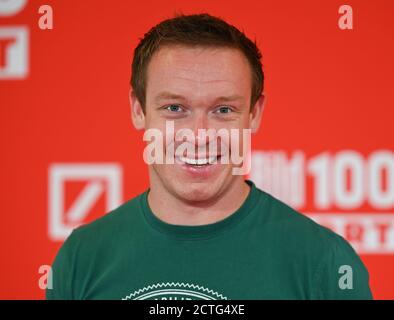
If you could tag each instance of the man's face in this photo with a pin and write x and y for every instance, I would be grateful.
(198, 88)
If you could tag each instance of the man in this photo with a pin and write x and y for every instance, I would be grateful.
(201, 231)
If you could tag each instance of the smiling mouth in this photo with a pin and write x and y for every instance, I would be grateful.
(198, 162)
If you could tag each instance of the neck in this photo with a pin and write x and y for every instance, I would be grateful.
(174, 210)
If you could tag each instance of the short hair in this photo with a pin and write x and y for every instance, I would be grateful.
(195, 30)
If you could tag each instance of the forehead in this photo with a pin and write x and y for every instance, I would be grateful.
(198, 72)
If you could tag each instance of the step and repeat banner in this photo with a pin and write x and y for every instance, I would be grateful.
(69, 152)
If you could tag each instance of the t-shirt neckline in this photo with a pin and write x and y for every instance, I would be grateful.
(200, 231)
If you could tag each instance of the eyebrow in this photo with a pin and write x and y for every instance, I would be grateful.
(169, 95)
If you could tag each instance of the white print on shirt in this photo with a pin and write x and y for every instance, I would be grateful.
(174, 291)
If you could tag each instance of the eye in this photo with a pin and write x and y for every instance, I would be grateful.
(174, 108)
(223, 110)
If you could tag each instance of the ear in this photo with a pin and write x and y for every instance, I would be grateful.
(256, 114)
(137, 113)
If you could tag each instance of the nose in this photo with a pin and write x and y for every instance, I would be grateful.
(199, 127)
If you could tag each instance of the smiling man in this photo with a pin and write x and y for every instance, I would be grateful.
(201, 231)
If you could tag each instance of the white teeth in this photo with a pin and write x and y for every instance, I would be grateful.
(198, 162)
(212, 159)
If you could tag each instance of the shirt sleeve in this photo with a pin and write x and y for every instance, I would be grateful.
(342, 275)
(62, 272)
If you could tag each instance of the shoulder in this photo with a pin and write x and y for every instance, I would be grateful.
(300, 236)
(295, 225)
(116, 220)
(112, 228)
(324, 253)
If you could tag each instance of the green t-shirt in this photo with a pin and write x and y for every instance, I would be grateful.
(264, 250)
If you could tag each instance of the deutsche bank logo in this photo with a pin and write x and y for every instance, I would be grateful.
(100, 178)
(14, 52)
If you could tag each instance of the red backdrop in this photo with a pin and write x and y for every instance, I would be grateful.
(69, 152)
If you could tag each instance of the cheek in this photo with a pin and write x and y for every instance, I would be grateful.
(155, 123)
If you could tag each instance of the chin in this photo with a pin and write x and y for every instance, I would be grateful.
(195, 188)
(207, 191)
(196, 192)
